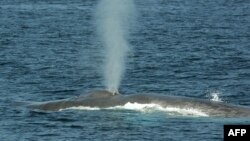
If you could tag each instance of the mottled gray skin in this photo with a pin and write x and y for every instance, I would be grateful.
(105, 99)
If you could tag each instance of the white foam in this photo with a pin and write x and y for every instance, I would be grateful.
(151, 107)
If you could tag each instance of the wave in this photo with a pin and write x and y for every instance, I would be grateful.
(149, 108)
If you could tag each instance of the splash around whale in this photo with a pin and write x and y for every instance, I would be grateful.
(102, 99)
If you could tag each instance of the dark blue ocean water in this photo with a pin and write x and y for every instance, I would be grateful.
(50, 49)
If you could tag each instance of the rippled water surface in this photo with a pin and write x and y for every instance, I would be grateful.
(50, 50)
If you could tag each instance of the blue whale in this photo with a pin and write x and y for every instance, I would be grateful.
(106, 99)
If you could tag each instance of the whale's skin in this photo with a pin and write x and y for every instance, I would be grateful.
(105, 99)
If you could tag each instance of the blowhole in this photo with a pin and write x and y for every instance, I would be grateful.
(113, 91)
